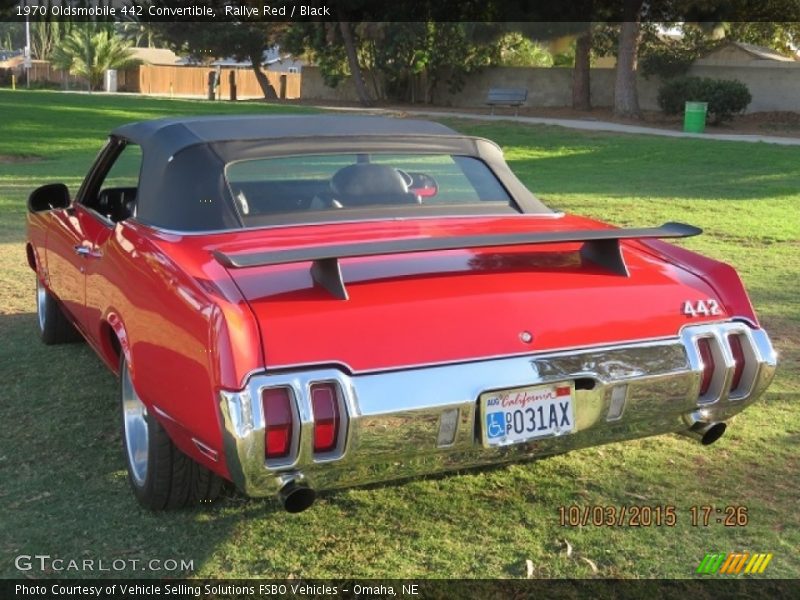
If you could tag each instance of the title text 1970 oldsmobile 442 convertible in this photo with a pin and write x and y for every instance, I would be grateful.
(311, 302)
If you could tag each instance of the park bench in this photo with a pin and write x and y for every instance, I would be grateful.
(507, 97)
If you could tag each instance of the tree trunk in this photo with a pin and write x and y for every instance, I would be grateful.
(352, 61)
(263, 81)
(581, 79)
(626, 97)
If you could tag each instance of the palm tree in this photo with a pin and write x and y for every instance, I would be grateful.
(88, 52)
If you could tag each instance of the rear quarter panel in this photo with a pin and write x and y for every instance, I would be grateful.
(719, 276)
(183, 327)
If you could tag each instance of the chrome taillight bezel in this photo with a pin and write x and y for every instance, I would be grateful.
(717, 335)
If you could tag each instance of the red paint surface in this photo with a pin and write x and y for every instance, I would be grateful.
(191, 328)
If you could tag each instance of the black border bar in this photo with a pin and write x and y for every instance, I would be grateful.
(485, 11)
(731, 588)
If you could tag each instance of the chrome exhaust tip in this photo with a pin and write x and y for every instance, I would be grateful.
(296, 497)
(706, 433)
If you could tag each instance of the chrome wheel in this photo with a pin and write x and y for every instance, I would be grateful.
(41, 299)
(134, 416)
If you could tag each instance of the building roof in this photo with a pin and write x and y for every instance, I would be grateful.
(155, 56)
(270, 56)
(759, 53)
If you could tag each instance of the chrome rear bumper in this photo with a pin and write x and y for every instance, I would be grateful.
(395, 420)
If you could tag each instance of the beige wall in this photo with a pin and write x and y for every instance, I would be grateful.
(774, 87)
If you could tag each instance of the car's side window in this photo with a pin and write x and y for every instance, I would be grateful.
(114, 195)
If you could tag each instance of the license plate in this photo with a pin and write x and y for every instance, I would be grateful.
(528, 413)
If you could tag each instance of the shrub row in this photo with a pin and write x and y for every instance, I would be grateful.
(725, 97)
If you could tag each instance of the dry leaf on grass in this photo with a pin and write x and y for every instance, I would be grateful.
(591, 564)
(529, 568)
(637, 496)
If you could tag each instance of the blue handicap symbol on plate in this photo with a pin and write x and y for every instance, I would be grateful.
(495, 424)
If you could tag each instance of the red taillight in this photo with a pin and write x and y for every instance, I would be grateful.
(278, 421)
(738, 357)
(326, 416)
(708, 364)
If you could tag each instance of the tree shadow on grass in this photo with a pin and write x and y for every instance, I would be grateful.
(65, 492)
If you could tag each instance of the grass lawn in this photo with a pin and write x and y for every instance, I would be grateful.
(64, 491)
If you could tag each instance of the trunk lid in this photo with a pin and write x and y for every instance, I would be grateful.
(406, 310)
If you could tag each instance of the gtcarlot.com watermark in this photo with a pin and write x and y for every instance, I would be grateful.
(57, 564)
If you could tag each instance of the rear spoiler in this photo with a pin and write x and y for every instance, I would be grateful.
(600, 246)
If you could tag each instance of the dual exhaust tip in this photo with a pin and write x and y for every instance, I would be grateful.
(296, 497)
(706, 433)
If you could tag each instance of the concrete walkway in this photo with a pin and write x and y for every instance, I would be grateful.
(586, 125)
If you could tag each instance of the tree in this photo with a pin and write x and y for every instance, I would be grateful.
(352, 62)
(414, 58)
(668, 58)
(89, 51)
(323, 43)
(406, 61)
(241, 40)
(46, 35)
(12, 35)
(626, 97)
(581, 72)
(516, 50)
(783, 37)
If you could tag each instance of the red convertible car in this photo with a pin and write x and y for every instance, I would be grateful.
(311, 302)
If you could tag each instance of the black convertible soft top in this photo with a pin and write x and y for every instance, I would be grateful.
(182, 184)
(172, 135)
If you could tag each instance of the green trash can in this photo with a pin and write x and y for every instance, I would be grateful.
(694, 117)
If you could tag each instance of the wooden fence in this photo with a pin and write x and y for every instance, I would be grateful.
(42, 70)
(179, 81)
(193, 81)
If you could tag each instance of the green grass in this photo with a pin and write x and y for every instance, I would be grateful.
(64, 491)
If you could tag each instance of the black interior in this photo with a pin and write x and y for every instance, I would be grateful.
(357, 185)
(278, 196)
(117, 203)
(364, 184)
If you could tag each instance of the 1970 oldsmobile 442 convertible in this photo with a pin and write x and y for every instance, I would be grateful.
(310, 302)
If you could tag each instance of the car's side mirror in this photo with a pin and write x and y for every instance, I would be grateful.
(48, 197)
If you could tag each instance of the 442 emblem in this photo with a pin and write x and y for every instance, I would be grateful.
(701, 308)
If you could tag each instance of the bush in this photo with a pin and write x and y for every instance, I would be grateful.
(42, 84)
(725, 97)
(5, 77)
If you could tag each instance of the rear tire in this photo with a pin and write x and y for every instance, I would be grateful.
(54, 326)
(160, 475)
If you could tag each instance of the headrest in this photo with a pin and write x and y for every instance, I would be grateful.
(365, 179)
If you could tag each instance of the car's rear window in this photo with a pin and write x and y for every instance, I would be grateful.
(342, 182)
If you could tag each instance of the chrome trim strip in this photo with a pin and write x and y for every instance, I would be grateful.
(552, 215)
(206, 450)
(394, 416)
